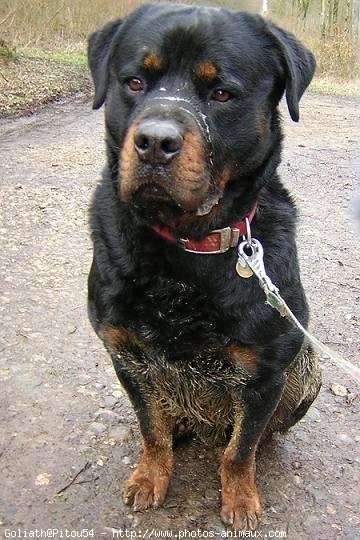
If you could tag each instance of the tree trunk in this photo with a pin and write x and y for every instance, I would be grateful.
(323, 19)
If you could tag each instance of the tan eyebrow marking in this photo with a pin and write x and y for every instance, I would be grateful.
(206, 70)
(152, 61)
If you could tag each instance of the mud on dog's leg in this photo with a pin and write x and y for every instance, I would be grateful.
(147, 485)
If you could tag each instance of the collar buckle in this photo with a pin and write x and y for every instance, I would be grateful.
(227, 240)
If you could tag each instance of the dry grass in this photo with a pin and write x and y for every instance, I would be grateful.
(337, 54)
(58, 25)
(64, 25)
(32, 77)
(61, 22)
(35, 79)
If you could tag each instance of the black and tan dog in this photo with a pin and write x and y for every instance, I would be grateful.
(193, 143)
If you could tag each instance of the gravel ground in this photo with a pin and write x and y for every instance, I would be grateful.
(62, 410)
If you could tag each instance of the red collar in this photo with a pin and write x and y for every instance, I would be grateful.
(218, 241)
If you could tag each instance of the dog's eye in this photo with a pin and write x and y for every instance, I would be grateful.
(135, 84)
(221, 95)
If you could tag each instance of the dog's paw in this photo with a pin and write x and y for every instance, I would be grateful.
(241, 512)
(145, 489)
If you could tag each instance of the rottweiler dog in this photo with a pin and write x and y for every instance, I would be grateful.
(193, 140)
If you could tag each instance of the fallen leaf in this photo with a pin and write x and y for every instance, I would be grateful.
(42, 479)
(338, 390)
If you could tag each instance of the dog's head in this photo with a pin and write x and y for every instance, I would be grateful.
(191, 105)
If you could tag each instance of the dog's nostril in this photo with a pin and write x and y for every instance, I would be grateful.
(142, 142)
(171, 146)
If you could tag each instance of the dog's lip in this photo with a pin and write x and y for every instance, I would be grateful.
(150, 193)
(205, 208)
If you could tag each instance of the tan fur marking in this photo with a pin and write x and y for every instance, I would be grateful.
(191, 177)
(148, 484)
(115, 338)
(241, 506)
(192, 160)
(129, 162)
(153, 62)
(224, 179)
(193, 150)
(244, 356)
(206, 70)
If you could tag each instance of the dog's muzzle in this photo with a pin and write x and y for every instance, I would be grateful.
(164, 159)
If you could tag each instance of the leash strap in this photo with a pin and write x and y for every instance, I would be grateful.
(251, 261)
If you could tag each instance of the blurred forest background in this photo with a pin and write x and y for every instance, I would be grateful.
(56, 30)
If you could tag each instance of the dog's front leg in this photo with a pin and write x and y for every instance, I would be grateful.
(148, 484)
(241, 506)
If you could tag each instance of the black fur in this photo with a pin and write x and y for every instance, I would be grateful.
(183, 310)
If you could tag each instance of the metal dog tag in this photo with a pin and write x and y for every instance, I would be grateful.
(243, 269)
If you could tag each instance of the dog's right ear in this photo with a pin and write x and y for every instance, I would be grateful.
(100, 45)
(298, 64)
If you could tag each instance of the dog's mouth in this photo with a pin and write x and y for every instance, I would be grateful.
(154, 200)
(151, 195)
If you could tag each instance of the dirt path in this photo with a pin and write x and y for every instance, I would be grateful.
(61, 408)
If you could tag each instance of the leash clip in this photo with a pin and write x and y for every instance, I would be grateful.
(252, 256)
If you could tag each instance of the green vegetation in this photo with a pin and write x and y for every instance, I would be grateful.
(78, 59)
(36, 77)
(7, 52)
(324, 86)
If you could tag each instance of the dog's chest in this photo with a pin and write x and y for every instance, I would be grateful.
(176, 318)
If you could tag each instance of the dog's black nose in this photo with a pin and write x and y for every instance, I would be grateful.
(158, 141)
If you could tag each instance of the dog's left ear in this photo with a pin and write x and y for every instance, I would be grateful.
(99, 52)
(298, 63)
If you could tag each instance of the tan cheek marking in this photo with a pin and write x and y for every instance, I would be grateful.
(188, 220)
(207, 71)
(224, 179)
(152, 61)
(191, 164)
(128, 163)
(244, 356)
(190, 172)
